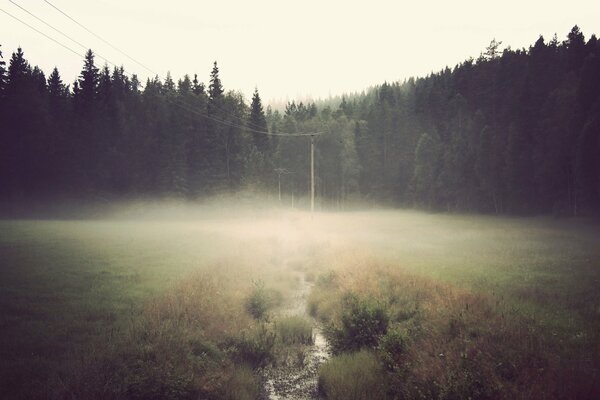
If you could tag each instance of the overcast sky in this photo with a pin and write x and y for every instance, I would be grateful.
(288, 49)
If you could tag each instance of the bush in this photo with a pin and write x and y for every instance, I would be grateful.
(294, 330)
(257, 303)
(363, 322)
(261, 300)
(391, 348)
(254, 347)
(352, 376)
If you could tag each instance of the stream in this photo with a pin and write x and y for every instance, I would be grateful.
(298, 382)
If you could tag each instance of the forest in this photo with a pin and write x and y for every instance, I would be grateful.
(515, 131)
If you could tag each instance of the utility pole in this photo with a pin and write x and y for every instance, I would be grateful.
(312, 173)
(280, 171)
(312, 163)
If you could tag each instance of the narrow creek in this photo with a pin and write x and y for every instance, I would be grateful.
(297, 382)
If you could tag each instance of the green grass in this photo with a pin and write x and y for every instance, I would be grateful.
(73, 288)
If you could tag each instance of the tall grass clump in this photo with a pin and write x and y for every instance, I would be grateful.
(243, 384)
(352, 376)
(254, 346)
(294, 330)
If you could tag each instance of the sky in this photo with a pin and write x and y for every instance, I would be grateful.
(287, 49)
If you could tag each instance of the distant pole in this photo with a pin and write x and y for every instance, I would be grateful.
(280, 171)
(312, 174)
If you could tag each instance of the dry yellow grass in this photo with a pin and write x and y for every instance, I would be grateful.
(461, 343)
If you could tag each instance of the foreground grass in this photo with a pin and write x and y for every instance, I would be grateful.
(130, 309)
(170, 308)
(434, 340)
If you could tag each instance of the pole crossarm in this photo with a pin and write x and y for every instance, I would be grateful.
(290, 134)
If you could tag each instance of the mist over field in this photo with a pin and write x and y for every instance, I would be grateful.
(171, 299)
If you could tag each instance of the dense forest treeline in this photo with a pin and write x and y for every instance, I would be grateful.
(514, 131)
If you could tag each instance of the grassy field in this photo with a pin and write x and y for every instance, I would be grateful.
(185, 306)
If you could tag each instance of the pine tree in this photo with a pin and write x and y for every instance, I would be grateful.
(88, 84)
(215, 88)
(261, 162)
(105, 86)
(25, 128)
(216, 146)
(19, 71)
(13, 151)
(197, 87)
(169, 85)
(2, 73)
(492, 52)
(258, 122)
(56, 88)
(575, 45)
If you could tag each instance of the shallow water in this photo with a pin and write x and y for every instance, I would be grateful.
(298, 382)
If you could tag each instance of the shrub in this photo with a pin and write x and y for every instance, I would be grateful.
(261, 300)
(352, 376)
(294, 330)
(391, 348)
(257, 303)
(363, 322)
(253, 347)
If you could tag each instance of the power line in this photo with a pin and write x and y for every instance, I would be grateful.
(179, 104)
(312, 135)
(61, 32)
(233, 125)
(98, 36)
(110, 44)
(41, 33)
(182, 106)
(149, 69)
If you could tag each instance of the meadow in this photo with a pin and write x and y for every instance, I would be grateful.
(184, 303)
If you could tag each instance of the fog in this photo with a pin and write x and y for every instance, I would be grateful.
(126, 278)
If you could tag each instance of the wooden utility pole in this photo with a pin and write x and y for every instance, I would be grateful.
(312, 164)
(279, 172)
(312, 173)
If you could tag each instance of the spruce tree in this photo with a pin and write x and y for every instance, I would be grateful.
(215, 88)
(19, 71)
(197, 87)
(216, 143)
(15, 123)
(88, 83)
(258, 122)
(56, 88)
(260, 157)
(2, 72)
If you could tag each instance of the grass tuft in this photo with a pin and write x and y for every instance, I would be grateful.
(352, 376)
(294, 330)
